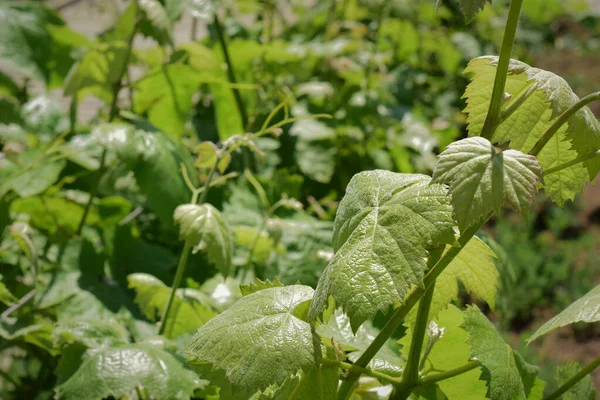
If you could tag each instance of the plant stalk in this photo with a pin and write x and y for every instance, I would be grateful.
(494, 112)
(450, 374)
(411, 300)
(366, 371)
(410, 376)
(230, 70)
(20, 304)
(577, 160)
(561, 120)
(573, 381)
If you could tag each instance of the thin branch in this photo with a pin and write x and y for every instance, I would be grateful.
(24, 300)
(577, 160)
(573, 381)
(366, 371)
(450, 374)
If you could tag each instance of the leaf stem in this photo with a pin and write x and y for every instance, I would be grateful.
(494, 112)
(573, 381)
(572, 162)
(230, 70)
(22, 302)
(449, 374)
(561, 120)
(366, 371)
(411, 300)
(176, 283)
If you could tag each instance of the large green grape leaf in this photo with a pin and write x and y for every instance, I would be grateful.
(153, 157)
(165, 93)
(203, 226)
(543, 96)
(258, 341)
(508, 376)
(121, 370)
(189, 311)
(451, 351)
(482, 178)
(473, 266)
(586, 309)
(383, 228)
(582, 390)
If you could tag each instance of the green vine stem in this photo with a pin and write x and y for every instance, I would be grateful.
(411, 300)
(561, 120)
(230, 70)
(449, 374)
(577, 160)
(494, 113)
(573, 381)
(114, 110)
(365, 371)
(185, 252)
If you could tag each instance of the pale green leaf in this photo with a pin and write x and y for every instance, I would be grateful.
(470, 8)
(156, 13)
(585, 309)
(543, 96)
(501, 371)
(383, 228)
(36, 174)
(258, 285)
(582, 390)
(189, 311)
(258, 341)
(203, 226)
(97, 71)
(90, 333)
(482, 178)
(118, 371)
(451, 351)
(473, 266)
(165, 93)
(315, 149)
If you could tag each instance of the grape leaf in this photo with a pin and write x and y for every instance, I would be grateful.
(585, 309)
(502, 371)
(203, 226)
(582, 390)
(470, 8)
(35, 176)
(451, 351)
(315, 149)
(189, 310)
(90, 333)
(165, 93)
(473, 266)
(97, 71)
(543, 96)
(6, 297)
(153, 157)
(258, 341)
(258, 285)
(383, 228)
(481, 179)
(118, 371)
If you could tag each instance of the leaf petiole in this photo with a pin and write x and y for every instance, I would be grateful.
(365, 371)
(573, 381)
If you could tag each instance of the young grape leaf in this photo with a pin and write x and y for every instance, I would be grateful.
(582, 390)
(473, 266)
(258, 341)
(258, 285)
(542, 96)
(470, 8)
(450, 351)
(121, 370)
(586, 309)
(190, 308)
(203, 226)
(481, 179)
(383, 228)
(35, 176)
(502, 370)
(223, 292)
(315, 149)
(319, 383)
